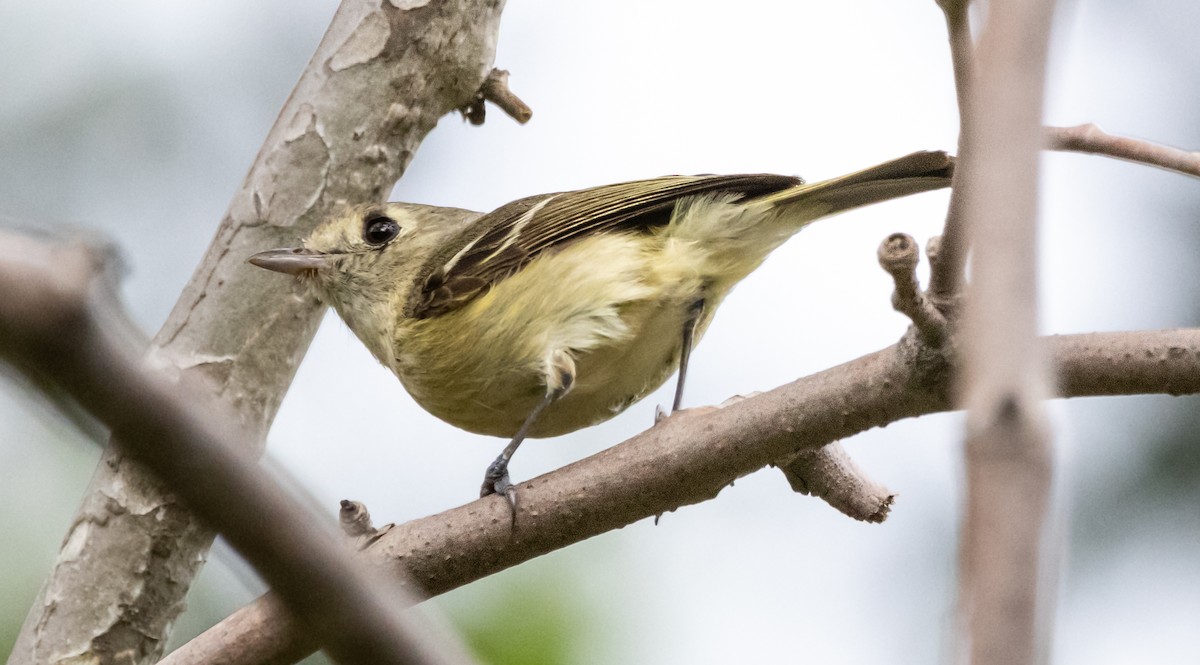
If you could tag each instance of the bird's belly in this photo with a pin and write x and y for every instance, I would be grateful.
(621, 326)
(608, 379)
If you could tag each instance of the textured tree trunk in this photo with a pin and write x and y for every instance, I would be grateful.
(132, 551)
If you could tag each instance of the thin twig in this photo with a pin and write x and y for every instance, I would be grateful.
(1092, 139)
(899, 257)
(495, 90)
(946, 275)
(962, 57)
(689, 458)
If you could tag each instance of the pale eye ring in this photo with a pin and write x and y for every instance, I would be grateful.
(380, 230)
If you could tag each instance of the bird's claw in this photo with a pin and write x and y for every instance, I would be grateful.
(660, 414)
(497, 481)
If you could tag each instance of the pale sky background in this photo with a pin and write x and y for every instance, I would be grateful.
(139, 120)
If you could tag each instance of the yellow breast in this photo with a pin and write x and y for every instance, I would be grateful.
(615, 303)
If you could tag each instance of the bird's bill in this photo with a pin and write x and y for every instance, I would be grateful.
(290, 261)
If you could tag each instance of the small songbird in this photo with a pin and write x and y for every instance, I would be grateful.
(558, 311)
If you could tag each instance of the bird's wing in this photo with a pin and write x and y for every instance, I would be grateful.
(505, 240)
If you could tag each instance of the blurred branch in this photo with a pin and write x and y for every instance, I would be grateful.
(689, 458)
(1091, 139)
(1008, 459)
(58, 318)
(244, 331)
(32, 384)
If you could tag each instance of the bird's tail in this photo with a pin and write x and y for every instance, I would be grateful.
(737, 236)
(911, 174)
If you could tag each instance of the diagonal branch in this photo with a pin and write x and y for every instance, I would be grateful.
(690, 458)
(245, 332)
(57, 319)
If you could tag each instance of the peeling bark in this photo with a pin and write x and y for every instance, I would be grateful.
(133, 550)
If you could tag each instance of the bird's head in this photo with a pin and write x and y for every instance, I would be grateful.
(365, 260)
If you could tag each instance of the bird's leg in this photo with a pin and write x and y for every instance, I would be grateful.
(495, 479)
(695, 311)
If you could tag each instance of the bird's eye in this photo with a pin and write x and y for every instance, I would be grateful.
(379, 230)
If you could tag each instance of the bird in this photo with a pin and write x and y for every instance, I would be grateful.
(558, 311)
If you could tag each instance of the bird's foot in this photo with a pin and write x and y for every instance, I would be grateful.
(497, 481)
(661, 414)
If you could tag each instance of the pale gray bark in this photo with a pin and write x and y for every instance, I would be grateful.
(132, 551)
(1005, 378)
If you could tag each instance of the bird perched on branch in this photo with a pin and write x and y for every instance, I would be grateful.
(558, 311)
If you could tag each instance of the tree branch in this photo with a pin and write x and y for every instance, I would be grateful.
(1008, 459)
(898, 256)
(245, 331)
(58, 318)
(1091, 139)
(689, 458)
(495, 90)
(946, 274)
(830, 473)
